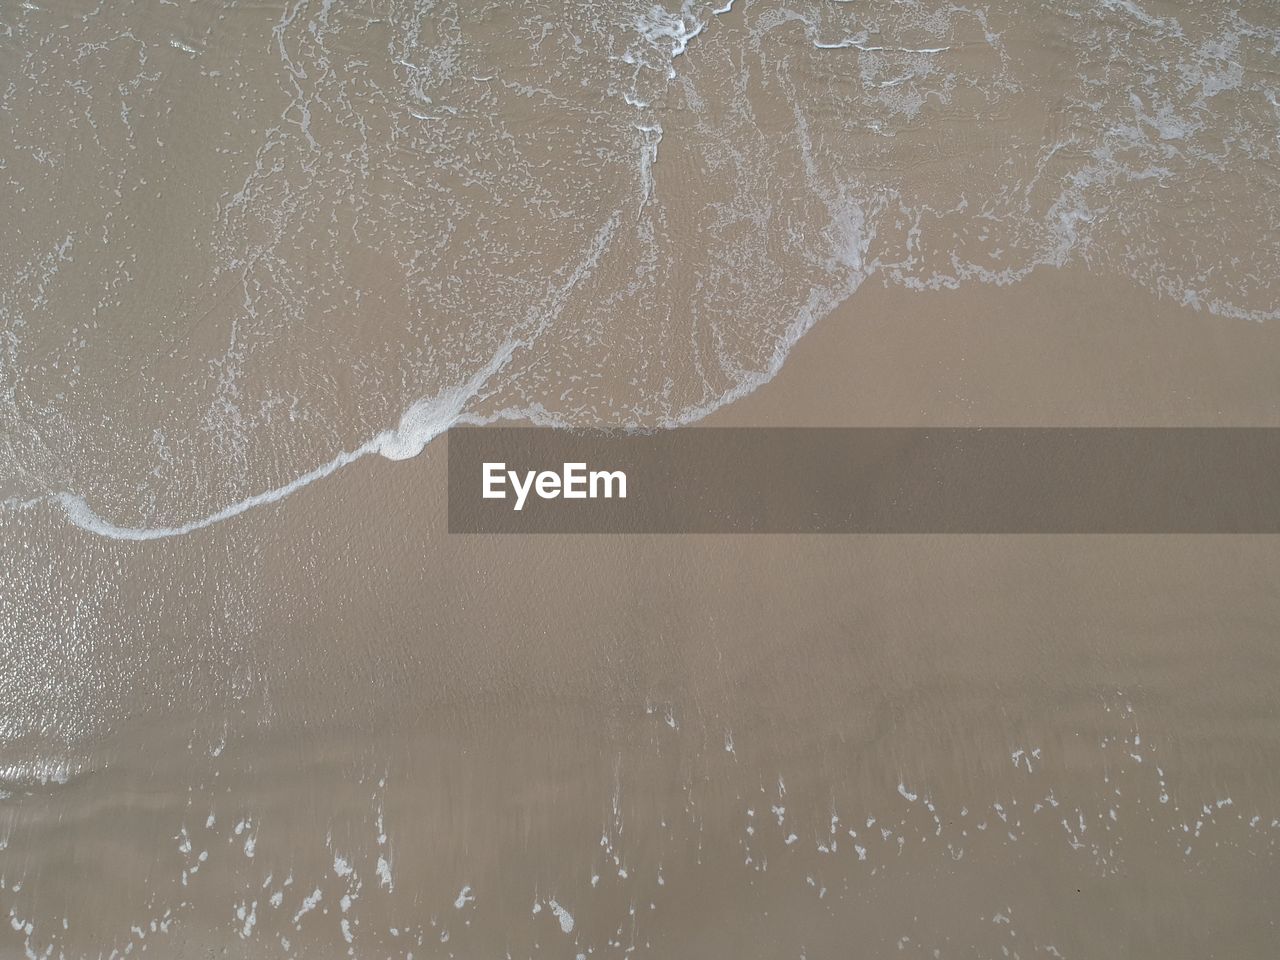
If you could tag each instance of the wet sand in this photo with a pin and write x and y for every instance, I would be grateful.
(328, 728)
(257, 702)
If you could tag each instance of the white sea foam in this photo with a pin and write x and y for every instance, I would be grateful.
(421, 423)
(495, 238)
(79, 512)
(562, 915)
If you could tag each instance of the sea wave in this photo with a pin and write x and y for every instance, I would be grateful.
(620, 217)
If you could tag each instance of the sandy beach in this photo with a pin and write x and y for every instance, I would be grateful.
(258, 702)
(754, 746)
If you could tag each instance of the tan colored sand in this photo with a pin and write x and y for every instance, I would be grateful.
(520, 715)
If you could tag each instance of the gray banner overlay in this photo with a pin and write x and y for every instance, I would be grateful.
(868, 480)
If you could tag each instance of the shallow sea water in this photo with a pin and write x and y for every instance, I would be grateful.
(257, 703)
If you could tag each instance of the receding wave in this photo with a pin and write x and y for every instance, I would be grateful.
(626, 215)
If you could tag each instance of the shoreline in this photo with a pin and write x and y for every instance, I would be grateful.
(495, 706)
(857, 329)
